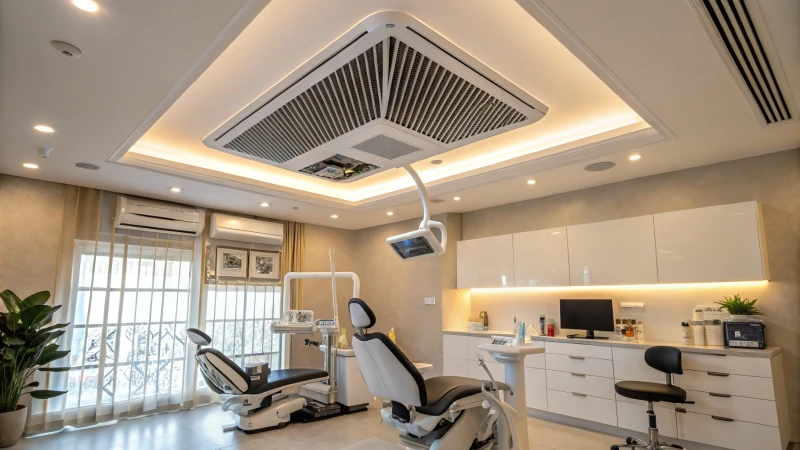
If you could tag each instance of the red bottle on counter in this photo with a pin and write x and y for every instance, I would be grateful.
(551, 328)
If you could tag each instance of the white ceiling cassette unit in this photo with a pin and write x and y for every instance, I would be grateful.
(389, 92)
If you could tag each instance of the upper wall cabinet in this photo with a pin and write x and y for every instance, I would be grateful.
(486, 262)
(719, 243)
(541, 258)
(613, 252)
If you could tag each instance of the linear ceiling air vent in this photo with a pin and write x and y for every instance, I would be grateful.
(741, 46)
(389, 92)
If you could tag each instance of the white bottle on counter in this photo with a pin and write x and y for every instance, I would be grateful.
(686, 333)
(699, 332)
(640, 331)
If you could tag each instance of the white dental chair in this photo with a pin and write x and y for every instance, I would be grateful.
(260, 403)
(443, 413)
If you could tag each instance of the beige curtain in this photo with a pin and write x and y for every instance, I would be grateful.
(292, 252)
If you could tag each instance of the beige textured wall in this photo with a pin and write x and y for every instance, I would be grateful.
(31, 212)
(773, 180)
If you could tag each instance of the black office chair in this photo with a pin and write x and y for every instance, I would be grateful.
(667, 360)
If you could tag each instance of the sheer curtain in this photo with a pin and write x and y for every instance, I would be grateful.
(132, 295)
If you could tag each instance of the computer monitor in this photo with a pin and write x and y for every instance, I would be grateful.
(589, 315)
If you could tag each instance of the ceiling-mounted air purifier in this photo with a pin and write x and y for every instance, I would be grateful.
(389, 92)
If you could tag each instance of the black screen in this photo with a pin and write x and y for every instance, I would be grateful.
(409, 248)
(595, 315)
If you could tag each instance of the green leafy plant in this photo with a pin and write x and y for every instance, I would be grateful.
(738, 306)
(27, 344)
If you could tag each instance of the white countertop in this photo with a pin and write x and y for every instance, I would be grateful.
(768, 352)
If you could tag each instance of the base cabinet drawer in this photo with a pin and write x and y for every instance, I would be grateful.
(582, 406)
(754, 410)
(455, 346)
(581, 383)
(725, 383)
(633, 416)
(580, 364)
(536, 389)
(455, 367)
(734, 434)
(736, 365)
(585, 350)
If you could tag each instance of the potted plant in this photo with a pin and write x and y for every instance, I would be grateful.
(27, 344)
(740, 309)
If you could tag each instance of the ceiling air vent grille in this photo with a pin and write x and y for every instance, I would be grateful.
(734, 24)
(434, 101)
(343, 101)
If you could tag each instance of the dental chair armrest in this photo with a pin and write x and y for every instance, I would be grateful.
(240, 404)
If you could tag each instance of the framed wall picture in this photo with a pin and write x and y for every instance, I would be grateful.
(231, 262)
(265, 265)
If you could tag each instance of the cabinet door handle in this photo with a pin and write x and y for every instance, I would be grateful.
(724, 419)
(718, 374)
(680, 410)
(714, 394)
(576, 357)
(715, 354)
(578, 394)
(577, 374)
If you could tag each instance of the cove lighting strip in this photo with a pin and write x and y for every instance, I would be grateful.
(627, 287)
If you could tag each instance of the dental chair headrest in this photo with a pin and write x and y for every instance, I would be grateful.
(198, 337)
(361, 316)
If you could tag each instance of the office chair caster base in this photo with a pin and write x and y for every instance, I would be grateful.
(633, 443)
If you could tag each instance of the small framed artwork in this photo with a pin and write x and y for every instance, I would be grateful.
(231, 262)
(265, 265)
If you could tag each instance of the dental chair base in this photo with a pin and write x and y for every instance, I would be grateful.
(276, 416)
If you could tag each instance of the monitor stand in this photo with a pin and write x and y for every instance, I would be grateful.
(589, 335)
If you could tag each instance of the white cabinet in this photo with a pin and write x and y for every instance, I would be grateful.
(454, 367)
(460, 358)
(485, 263)
(727, 433)
(541, 258)
(535, 387)
(613, 252)
(633, 416)
(582, 406)
(718, 243)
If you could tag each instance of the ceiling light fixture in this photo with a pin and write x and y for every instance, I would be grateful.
(334, 216)
(456, 198)
(43, 128)
(263, 204)
(635, 157)
(389, 213)
(175, 189)
(86, 5)
(30, 166)
(531, 181)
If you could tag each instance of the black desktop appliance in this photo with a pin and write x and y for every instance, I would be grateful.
(589, 315)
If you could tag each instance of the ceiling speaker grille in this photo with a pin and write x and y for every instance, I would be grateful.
(386, 147)
(341, 102)
(735, 27)
(417, 93)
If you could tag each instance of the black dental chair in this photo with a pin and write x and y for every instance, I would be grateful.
(663, 359)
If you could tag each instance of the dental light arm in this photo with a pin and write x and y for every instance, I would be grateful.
(421, 242)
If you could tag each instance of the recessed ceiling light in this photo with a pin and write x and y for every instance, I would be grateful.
(531, 181)
(175, 189)
(30, 166)
(43, 128)
(334, 216)
(456, 198)
(263, 204)
(389, 213)
(635, 157)
(86, 5)
(599, 166)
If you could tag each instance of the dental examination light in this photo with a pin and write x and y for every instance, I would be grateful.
(421, 242)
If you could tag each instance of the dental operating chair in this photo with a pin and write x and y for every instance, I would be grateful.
(443, 413)
(261, 402)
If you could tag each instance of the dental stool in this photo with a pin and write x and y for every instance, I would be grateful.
(663, 359)
(443, 413)
(260, 403)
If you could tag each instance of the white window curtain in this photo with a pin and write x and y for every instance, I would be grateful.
(238, 318)
(133, 295)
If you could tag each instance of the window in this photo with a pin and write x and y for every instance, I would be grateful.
(131, 300)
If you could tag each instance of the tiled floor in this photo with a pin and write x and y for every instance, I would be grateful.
(201, 429)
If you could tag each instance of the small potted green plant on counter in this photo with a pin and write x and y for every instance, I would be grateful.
(740, 309)
(27, 344)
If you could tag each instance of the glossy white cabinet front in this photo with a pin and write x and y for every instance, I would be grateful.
(719, 243)
(613, 252)
(541, 258)
(485, 263)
